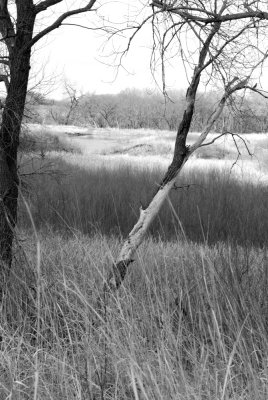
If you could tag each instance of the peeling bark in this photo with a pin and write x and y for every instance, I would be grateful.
(180, 156)
(137, 235)
(147, 215)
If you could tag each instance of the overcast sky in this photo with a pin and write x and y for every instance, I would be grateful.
(84, 58)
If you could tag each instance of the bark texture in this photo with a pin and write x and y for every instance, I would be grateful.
(181, 155)
(17, 35)
(147, 215)
(19, 61)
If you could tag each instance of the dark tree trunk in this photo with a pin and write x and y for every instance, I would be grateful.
(20, 53)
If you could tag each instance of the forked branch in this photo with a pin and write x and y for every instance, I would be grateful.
(59, 21)
(147, 215)
(44, 5)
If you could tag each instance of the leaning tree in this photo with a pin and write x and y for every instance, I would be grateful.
(19, 33)
(223, 43)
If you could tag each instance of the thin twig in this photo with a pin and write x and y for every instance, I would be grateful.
(176, 187)
(213, 140)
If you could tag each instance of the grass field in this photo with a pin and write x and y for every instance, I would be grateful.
(214, 207)
(190, 322)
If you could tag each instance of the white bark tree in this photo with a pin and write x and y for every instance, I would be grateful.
(223, 43)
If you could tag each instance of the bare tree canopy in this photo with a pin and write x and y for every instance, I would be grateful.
(223, 44)
(214, 11)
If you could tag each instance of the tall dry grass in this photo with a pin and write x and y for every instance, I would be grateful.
(189, 323)
(209, 207)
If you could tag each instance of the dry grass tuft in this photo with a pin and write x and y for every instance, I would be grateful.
(190, 323)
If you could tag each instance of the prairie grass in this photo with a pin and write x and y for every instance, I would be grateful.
(210, 206)
(189, 323)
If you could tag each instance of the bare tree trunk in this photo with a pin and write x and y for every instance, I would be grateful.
(19, 59)
(180, 156)
(147, 215)
(17, 35)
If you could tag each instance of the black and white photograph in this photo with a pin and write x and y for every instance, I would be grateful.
(133, 200)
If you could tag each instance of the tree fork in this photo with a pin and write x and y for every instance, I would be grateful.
(180, 156)
(147, 215)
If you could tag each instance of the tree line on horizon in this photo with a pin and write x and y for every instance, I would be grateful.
(141, 109)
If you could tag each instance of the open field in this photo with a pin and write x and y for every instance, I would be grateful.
(101, 191)
(151, 148)
(190, 322)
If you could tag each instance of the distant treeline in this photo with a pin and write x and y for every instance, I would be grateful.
(141, 109)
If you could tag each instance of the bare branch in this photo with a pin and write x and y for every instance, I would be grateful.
(213, 140)
(44, 5)
(259, 91)
(220, 51)
(186, 186)
(230, 89)
(59, 21)
(210, 17)
(6, 26)
(134, 34)
(234, 135)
